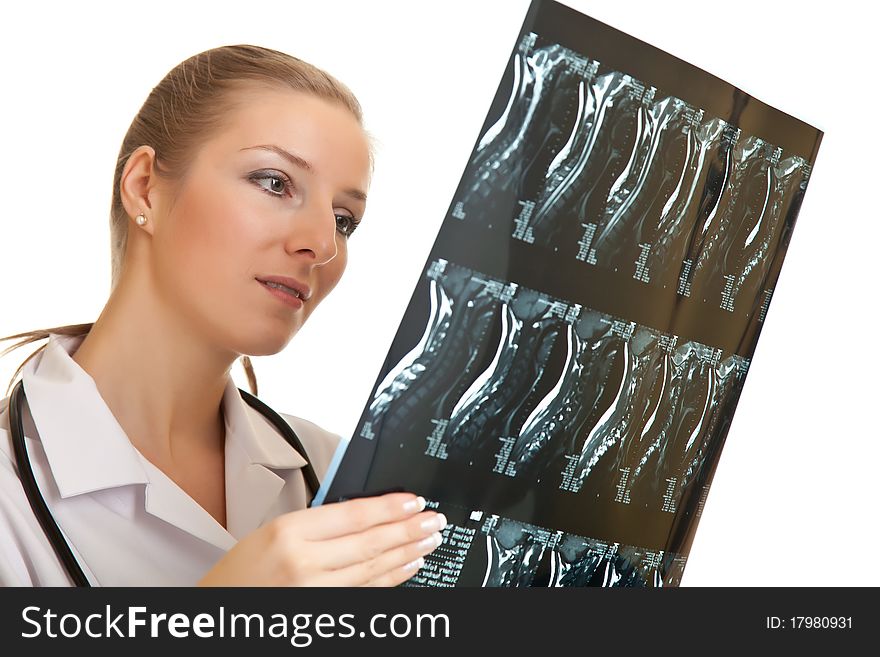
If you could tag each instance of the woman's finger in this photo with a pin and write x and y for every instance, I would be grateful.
(354, 516)
(389, 568)
(398, 576)
(355, 548)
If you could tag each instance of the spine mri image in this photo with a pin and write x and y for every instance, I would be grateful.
(565, 375)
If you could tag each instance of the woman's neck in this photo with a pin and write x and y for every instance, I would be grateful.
(163, 382)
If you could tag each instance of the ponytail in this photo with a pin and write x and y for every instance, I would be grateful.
(82, 330)
(34, 336)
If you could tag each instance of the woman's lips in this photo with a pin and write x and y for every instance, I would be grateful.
(290, 299)
(286, 281)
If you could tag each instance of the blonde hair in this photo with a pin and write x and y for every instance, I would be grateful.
(191, 102)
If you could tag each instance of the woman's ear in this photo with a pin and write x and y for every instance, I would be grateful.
(138, 184)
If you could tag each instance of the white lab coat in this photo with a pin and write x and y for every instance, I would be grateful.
(129, 523)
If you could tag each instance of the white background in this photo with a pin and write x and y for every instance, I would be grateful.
(795, 495)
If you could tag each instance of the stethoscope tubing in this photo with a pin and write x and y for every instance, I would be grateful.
(38, 503)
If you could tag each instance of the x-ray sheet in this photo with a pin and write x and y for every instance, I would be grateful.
(565, 375)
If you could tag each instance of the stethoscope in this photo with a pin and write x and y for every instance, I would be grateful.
(41, 510)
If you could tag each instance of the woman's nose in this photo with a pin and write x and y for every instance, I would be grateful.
(314, 230)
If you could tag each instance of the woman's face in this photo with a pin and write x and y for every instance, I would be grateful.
(248, 211)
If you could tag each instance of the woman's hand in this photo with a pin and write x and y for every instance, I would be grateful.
(371, 541)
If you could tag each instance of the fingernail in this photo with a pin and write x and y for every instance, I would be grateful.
(415, 565)
(430, 542)
(435, 523)
(414, 505)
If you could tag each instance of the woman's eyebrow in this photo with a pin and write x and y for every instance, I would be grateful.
(296, 160)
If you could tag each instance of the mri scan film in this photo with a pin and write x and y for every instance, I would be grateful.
(563, 380)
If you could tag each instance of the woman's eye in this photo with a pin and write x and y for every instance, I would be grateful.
(347, 225)
(277, 183)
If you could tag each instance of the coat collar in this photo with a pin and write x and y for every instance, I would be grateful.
(88, 450)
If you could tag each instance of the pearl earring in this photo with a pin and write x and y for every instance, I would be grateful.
(141, 219)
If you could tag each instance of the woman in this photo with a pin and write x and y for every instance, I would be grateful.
(237, 188)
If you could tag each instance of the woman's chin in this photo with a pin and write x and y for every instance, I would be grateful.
(270, 343)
